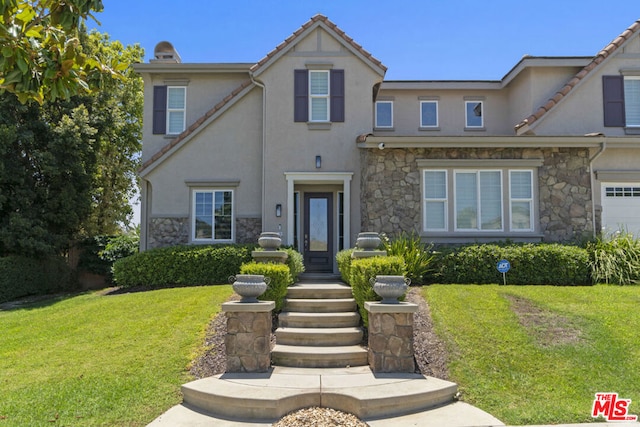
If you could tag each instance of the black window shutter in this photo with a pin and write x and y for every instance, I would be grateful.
(337, 95)
(301, 96)
(613, 101)
(159, 110)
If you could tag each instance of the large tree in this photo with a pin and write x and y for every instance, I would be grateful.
(42, 55)
(67, 166)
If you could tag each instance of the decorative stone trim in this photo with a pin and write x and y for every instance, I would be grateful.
(167, 231)
(248, 339)
(248, 230)
(391, 336)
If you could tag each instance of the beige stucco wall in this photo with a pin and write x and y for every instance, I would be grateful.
(203, 92)
(228, 149)
(293, 147)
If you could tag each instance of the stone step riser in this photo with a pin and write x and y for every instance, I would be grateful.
(328, 320)
(319, 293)
(319, 337)
(318, 360)
(320, 305)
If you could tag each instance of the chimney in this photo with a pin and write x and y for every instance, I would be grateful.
(164, 52)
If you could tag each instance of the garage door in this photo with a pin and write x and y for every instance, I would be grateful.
(621, 207)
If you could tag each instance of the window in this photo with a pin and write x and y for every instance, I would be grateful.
(384, 114)
(176, 104)
(428, 114)
(478, 200)
(473, 114)
(632, 101)
(169, 109)
(318, 96)
(212, 215)
(340, 220)
(458, 200)
(622, 191)
(521, 200)
(435, 200)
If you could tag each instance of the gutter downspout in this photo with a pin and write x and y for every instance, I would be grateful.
(603, 147)
(264, 145)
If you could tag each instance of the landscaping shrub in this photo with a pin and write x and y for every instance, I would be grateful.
(295, 262)
(417, 257)
(21, 276)
(363, 269)
(615, 259)
(280, 276)
(181, 265)
(531, 264)
(343, 258)
(98, 253)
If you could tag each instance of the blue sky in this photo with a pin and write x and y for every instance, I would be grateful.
(416, 40)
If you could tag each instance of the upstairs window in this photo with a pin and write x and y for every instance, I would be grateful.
(384, 114)
(428, 114)
(632, 101)
(319, 96)
(169, 109)
(473, 114)
(621, 102)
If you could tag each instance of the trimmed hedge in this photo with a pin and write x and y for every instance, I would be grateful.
(531, 264)
(280, 276)
(365, 268)
(182, 265)
(343, 258)
(21, 276)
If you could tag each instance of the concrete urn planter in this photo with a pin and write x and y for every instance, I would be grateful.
(269, 241)
(368, 241)
(249, 286)
(390, 288)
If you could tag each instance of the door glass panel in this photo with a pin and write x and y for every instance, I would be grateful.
(318, 227)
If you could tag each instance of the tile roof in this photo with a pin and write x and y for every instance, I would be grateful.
(194, 126)
(315, 19)
(597, 60)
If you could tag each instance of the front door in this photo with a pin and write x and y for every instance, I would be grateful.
(318, 232)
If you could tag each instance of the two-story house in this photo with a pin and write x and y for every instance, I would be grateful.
(312, 142)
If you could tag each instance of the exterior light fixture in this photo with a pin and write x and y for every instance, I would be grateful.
(318, 162)
(278, 210)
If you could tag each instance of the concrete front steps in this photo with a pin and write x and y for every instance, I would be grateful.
(319, 328)
(269, 396)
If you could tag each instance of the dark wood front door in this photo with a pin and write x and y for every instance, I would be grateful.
(318, 232)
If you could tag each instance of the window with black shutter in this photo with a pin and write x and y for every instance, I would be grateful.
(159, 110)
(613, 101)
(302, 94)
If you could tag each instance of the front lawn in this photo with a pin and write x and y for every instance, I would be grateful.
(538, 354)
(93, 360)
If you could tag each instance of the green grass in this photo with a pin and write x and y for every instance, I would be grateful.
(509, 370)
(92, 360)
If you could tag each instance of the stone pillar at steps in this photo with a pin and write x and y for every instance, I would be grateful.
(248, 339)
(391, 336)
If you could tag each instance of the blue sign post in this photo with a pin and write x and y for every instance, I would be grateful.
(503, 266)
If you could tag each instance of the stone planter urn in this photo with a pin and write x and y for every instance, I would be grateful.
(269, 241)
(390, 288)
(249, 286)
(368, 241)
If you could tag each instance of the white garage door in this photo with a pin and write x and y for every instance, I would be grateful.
(621, 207)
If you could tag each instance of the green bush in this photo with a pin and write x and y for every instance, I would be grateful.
(531, 264)
(615, 259)
(295, 262)
(280, 276)
(343, 258)
(98, 253)
(21, 276)
(181, 265)
(363, 269)
(417, 257)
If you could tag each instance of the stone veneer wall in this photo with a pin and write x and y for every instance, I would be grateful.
(391, 199)
(248, 341)
(391, 342)
(171, 231)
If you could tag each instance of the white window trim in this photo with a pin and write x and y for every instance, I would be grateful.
(193, 215)
(422, 125)
(175, 110)
(326, 96)
(445, 200)
(530, 200)
(626, 118)
(466, 116)
(479, 228)
(377, 125)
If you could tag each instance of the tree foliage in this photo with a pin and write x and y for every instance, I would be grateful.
(42, 55)
(67, 166)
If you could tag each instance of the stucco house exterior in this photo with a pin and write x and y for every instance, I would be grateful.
(312, 142)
